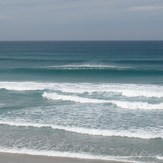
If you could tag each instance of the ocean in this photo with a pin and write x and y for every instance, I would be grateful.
(82, 99)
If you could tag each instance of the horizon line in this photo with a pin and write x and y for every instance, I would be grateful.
(70, 40)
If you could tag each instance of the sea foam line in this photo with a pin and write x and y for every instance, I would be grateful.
(121, 104)
(87, 67)
(142, 134)
(63, 154)
(128, 90)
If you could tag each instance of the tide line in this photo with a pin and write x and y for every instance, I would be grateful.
(64, 154)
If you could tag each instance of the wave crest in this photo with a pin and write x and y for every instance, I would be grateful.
(120, 104)
(136, 133)
(55, 96)
(127, 90)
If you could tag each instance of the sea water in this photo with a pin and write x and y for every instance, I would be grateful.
(83, 99)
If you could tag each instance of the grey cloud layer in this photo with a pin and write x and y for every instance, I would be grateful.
(81, 19)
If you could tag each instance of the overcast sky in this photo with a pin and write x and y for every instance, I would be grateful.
(81, 19)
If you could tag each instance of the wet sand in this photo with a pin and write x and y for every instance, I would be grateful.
(21, 158)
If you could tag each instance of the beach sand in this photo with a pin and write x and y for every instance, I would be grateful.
(21, 158)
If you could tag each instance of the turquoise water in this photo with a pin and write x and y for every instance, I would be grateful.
(101, 100)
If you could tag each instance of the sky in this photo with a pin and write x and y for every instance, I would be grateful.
(81, 20)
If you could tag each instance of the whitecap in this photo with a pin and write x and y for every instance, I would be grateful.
(127, 90)
(120, 104)
(132, 133)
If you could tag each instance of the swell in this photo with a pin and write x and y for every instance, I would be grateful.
(36, 57)
(86, 71)
(41, 59)
(136, 133)
(145, 62)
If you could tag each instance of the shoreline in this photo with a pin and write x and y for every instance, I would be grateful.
(26, 158)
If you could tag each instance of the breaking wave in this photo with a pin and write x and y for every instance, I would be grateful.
(128, 90)
(121, 104)
(55, 96)
(137, 133)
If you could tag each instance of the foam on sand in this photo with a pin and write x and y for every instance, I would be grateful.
(64, 154)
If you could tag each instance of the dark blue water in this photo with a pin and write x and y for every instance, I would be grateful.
(112, 61)
(100, 100)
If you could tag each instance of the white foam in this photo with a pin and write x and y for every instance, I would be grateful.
(55, 96)
(26, 86)
(137, 133)
(128, 90)
(138, 105)
(63, 154)
(120, 104)
(159, 157)
(84, 66)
